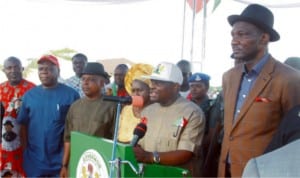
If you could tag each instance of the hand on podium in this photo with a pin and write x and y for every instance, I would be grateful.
(141, 155)
(171, 158)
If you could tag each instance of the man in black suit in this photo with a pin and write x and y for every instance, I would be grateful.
(288, 131)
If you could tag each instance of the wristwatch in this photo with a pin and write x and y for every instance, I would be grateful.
(156, 158)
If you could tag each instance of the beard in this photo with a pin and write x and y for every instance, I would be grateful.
(247, 55)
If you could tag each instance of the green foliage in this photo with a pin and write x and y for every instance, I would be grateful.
(218, 88)
(214, 89)
(32, 65)
(65, 53)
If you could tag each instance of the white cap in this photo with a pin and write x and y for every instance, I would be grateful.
(167, 72)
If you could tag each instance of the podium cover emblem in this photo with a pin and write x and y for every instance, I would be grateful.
(91, 165)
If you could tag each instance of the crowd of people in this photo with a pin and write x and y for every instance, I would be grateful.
(251, 129)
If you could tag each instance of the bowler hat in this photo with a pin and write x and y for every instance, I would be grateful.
(94, 68)
(259, 16)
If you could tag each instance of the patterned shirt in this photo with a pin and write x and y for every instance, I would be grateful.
(75, 83)
(11, 151)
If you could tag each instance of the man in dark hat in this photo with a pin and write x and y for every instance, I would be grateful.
(257, 92)
(9, 135)
(43, 113)
(91, 114)
(199, 86)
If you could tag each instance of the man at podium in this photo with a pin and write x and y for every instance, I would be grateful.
(175, 130)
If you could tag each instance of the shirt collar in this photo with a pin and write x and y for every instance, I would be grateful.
(258, 67)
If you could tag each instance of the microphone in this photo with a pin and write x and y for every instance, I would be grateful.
(136, 101)
(138, 133)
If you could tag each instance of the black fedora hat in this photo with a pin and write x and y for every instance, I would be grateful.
(259, 16)
(94, 68)
(8, 123)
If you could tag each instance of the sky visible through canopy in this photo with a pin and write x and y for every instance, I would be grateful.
(148, 31)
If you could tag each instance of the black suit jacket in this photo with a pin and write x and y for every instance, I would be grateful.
(288, 131)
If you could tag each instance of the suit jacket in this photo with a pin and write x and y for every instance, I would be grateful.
(289, 130)
(283, 162)
(275, 91)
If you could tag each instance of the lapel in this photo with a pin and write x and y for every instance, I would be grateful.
(234, 81)
(261, 82)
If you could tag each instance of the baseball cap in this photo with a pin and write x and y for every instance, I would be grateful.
(49, 58)
(167, 72)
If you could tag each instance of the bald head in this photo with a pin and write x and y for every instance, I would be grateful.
(13, 69)
(12, 59)
(185, 67)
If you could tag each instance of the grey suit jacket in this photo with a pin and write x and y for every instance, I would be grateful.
(282, 162)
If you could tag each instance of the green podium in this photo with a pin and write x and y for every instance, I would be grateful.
(91, 157)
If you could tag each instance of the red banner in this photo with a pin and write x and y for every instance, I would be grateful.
(198, 3)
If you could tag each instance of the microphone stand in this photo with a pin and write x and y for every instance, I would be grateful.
(113, 156)
(116, 162)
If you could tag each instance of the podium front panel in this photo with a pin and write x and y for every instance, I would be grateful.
(90, 156)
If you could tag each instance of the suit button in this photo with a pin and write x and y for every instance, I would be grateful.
(231, 138)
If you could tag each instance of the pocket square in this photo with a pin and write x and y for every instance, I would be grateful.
(262, 99)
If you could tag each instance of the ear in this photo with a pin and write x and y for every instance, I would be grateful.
(177, 86)
(102, 81)
(265, 39)
(206, 89)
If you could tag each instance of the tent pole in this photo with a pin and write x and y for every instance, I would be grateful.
(203, 41)
(193, 29)
(183, 28)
